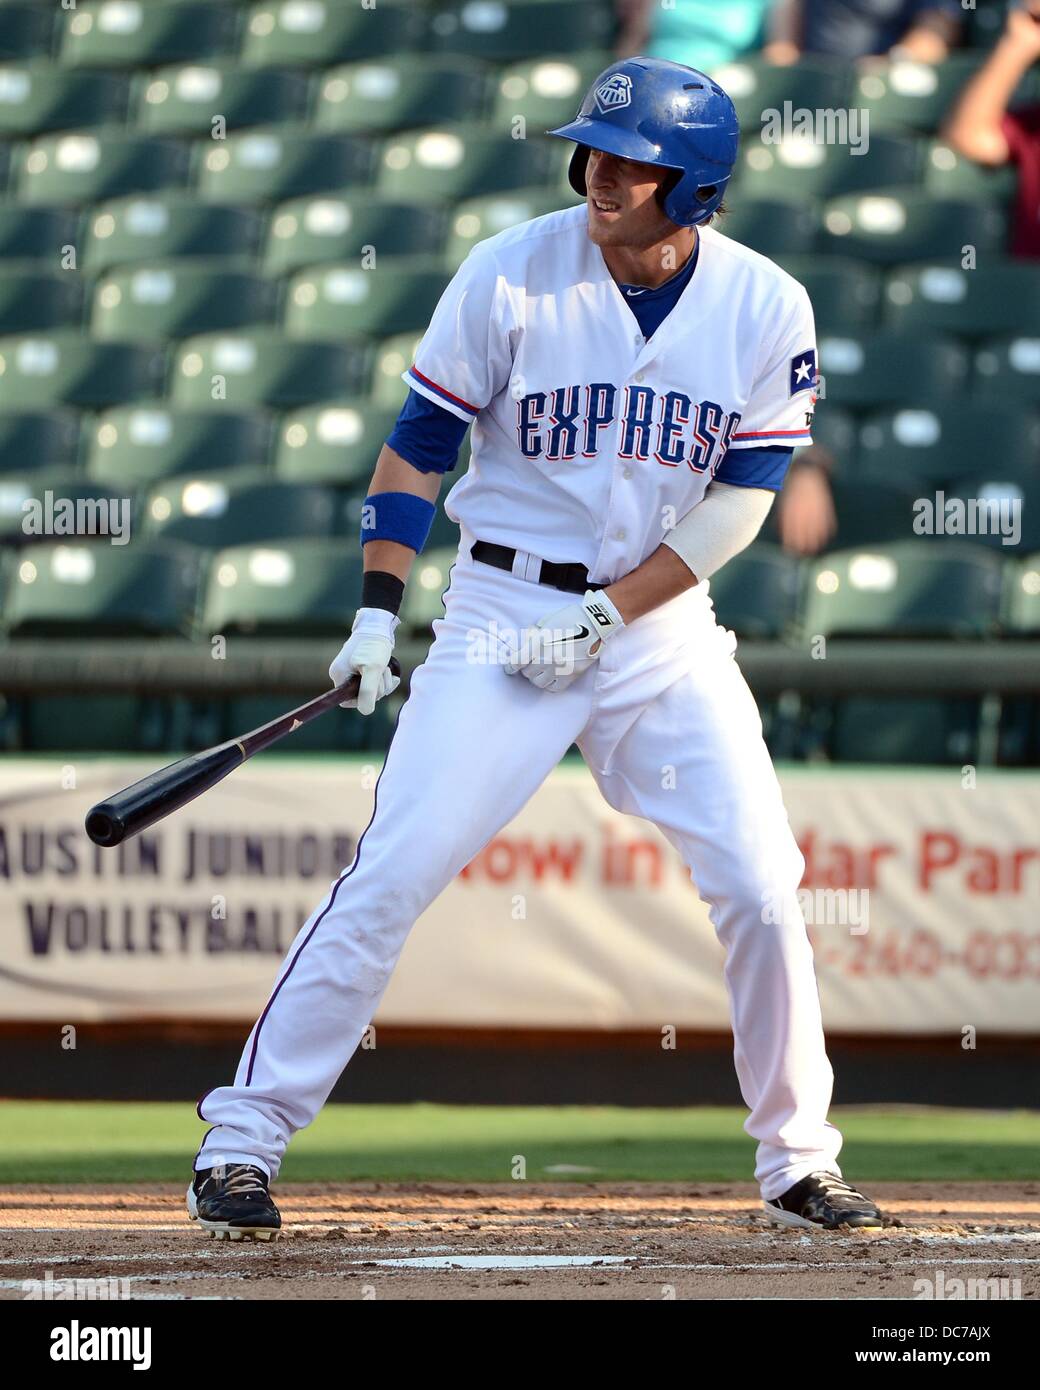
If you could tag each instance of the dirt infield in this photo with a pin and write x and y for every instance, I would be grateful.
(530, 1241)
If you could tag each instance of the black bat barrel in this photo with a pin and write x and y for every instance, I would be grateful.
(155, 796)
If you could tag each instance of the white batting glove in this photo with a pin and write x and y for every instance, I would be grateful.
(367, 650)
(565, 643)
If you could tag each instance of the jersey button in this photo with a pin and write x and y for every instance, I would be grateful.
(640, 378)
(620, 535)
(626, 473)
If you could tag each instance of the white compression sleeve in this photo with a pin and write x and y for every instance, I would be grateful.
(722, 524)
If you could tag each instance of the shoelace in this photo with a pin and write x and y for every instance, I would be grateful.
(241, 1179)
(835, 1187)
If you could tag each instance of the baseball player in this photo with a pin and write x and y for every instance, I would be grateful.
(635, 383)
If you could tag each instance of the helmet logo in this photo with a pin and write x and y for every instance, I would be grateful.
(615, 93)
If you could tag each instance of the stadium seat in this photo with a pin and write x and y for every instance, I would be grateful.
(907, 590)
(278, 162)
(845, 294)
(834, 429)
(423, 602)
(40, 439)
(328, 302)
(869, 370)
(66, 368)
(1002, 298)
(288, 588)
(28, 234)
(26, 513)
(32, 299)
(950, 175)
(772, 226)
(393, 356)
(906, 94)
(911, 225)
(317, 33)
(755, 86)
(75, 589)
(239, 507)
(1008, 369)
(132, 446)
(545, 92)
(175, 299)
(394, 93)
(160, 228)
(308, 231)
(1002, 505)
(504, 32)
(87, 165)
(798, 168)
(476, 219)
(904, 731)
(144, 33)
(26, 30)
(184, 100)
(1023, 608)
(335, 442)
(444, 533)
(936, 444)
(463, 161)
(756, 594)
(262, 368)
(38, 97)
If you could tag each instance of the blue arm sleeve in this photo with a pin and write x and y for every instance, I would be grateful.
(755, 468)
(426, 436)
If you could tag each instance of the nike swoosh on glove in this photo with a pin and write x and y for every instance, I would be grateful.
(565, 643)
(367, 651)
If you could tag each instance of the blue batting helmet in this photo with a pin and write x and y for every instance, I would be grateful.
(663, 113)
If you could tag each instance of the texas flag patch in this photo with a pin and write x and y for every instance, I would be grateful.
(803, 372)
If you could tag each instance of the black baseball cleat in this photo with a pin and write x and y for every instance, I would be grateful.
(232, 1203)
(824, 1202)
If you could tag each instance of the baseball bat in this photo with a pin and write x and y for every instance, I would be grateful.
(138, 806)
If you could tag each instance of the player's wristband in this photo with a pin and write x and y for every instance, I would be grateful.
(380, 589)
(397, 516)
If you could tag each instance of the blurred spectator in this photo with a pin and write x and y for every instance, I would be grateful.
(806, 520)
(702, 34)
(922, 30)
(983, 129)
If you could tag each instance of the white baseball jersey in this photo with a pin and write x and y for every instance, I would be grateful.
(588, 440)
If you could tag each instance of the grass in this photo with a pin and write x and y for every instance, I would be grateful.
(44, 1141)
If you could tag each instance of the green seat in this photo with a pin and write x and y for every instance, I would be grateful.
(1002, 503)
(1023, 605)
(38, 96)
(444, 533)
(29, 515)
(77, 588)
(798, 168)
(546, 92)
(921, 730)
(950, 175)
(32, 299)
(392, 357)
(834, 429)
(287, 588)
(28, 234)
(873, 369)
(132, 446)
(503, 32)
(911, 225)
(316, 33)
(756, 87)
(25, 30)
(264, 368)
(166, 226)
(756, 593)
(329, 302)
(918, 96)
(935, 444)
(175, 299)
(449, 163)
(183, 100)
(478, 218)
(772, 226)
(845, 294)
(279, 162)
(88, 165)
(871, 511)
(31, 439)
(423, 602)
(394, 93)
(334, 442)
(1008, 369)
(144, 33)
(308, 231)
(906, 589)
(238, 507)
(1002, 298)
(66, 368)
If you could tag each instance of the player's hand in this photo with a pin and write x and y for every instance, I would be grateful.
(367, 651)
(565, 643)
